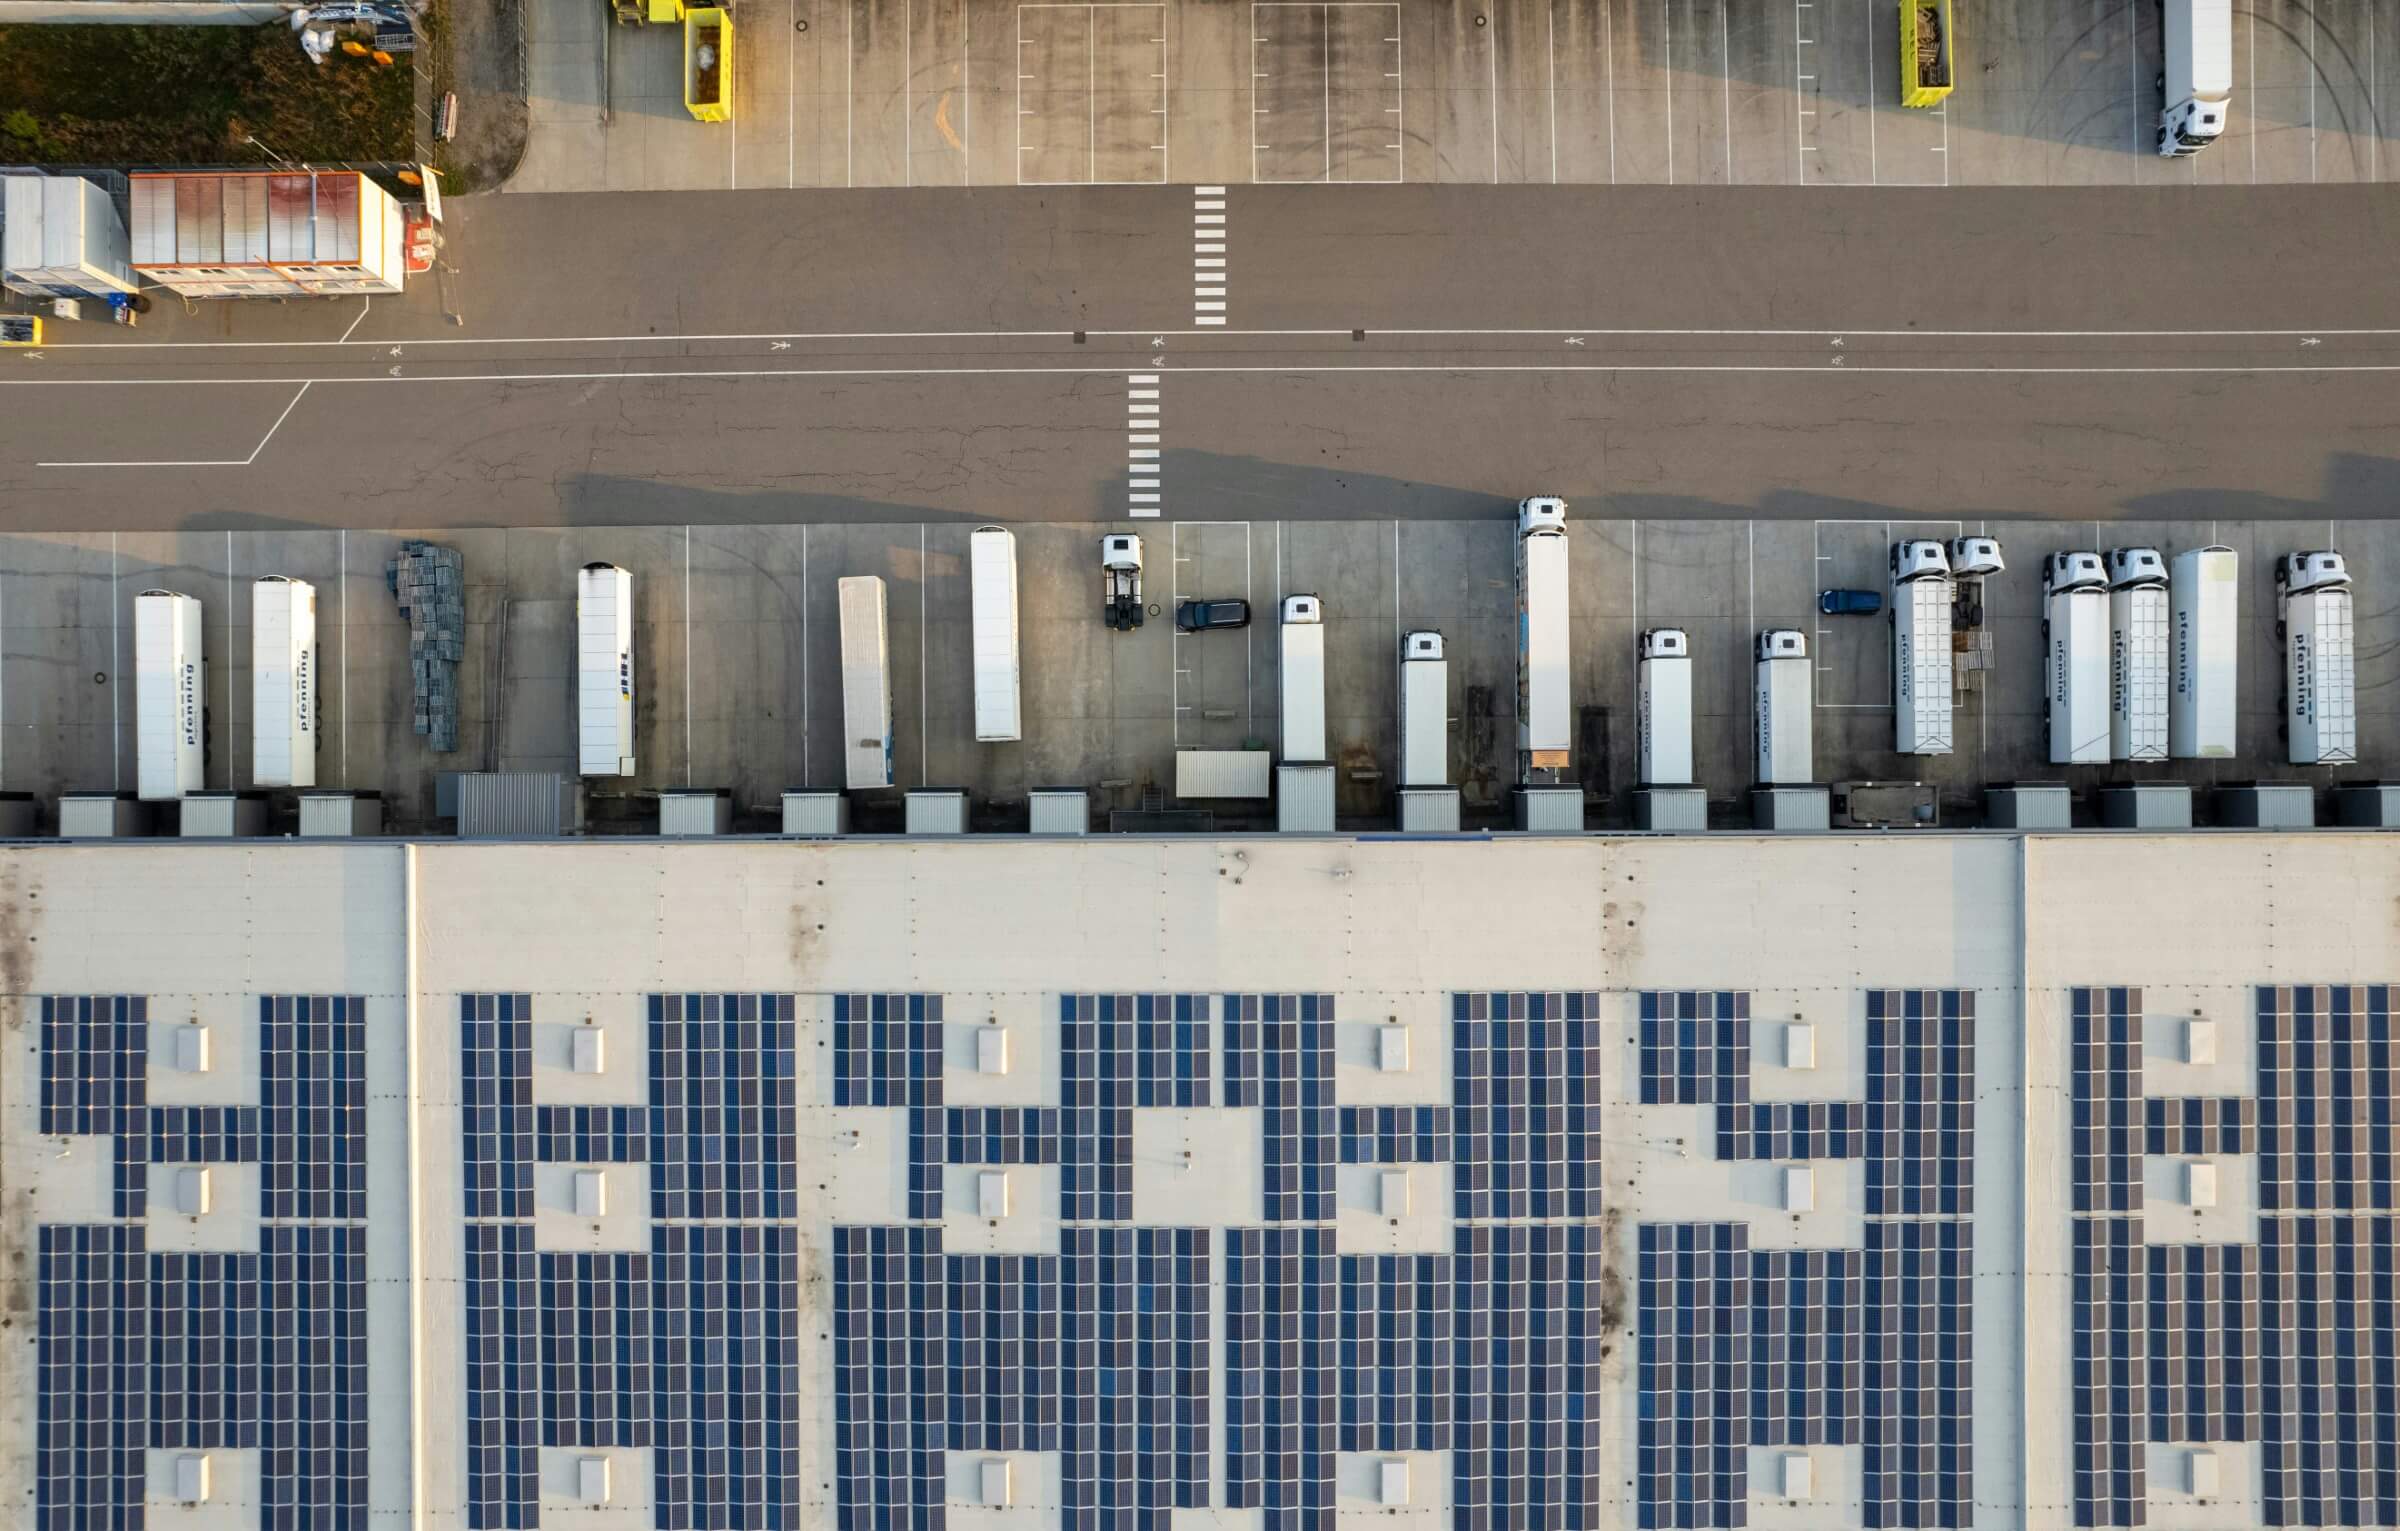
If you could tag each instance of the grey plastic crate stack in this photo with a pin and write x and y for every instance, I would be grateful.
(431, 586)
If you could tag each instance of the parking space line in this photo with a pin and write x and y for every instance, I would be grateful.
(1552, 92)
(1608, 53)
(1668, 6)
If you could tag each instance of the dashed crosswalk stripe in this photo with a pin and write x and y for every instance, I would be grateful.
(1209, 221)
(1142, 457)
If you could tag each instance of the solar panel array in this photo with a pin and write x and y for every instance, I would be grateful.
(1870, 1346)
(2292, 1343)
(139, 1349)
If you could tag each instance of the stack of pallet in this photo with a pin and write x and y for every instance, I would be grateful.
(430, 583)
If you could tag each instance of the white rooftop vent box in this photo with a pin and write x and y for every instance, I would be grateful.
(815, 813)
(2267, 805)
(2203, 1478)
(1791, 810)
(1391, 1193)
(1661, 809)
(938, 811)
(338, 815)
(1799, 1045)
(994, 1484)
(695, 811)
(191, 1049)
(591, 1479)
(1391, 1482)
(2199, 1041)
(2029, 805)
(1304, 799)
(223, 815)
(1428, 810)
(1391, 1049)
(2146, 805)
(2200, 1183)
(991, 1050)
(588, 1052)
(191, 1477)
(2367, 805)
(1800, 1188)
(1799, 1476)
(193, 1195)
(991, 1193)
(1058, 811)
(1550, 810)
(591, 1193)
(101, 816)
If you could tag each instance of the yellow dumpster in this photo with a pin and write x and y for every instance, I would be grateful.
(659, 11)
(708, 63)
(1928, 52)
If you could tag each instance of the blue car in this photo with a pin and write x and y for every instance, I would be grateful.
(1849, 603)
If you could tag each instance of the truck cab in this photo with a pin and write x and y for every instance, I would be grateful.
(2066, 572)
(2136, 569)
(2322, 569)
(1917, 559)
(1541, 514)
(1121, 581)
(1975, 557)
(1782, 643)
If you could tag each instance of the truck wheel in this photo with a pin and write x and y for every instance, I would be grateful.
(2279, 633)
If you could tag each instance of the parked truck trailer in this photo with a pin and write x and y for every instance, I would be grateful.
(2195, 74)
(283, 682)
(1786, 710)
(1666, 707)
(1921, 672)
(1302, 640)
(2203, 592)
(866, 684)
(992, 580)
(1424, 711)
(1545, 718)
(2320, 684)
(2075, 657)
(604, 671)
(2138, 655)
(170, 689)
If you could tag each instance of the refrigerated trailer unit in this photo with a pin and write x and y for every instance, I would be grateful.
(1424, 711)
(1302, 640)
(1666, 707)
(2138, 659)
(283, 682)
(604, 671)
(866, 685)
(992, 566)
(1544, 717)
(1786, 710)
(2075, 657)
(170, 689)
(1921, 674)
(2203, 592)
(2195, 74)
(2320, 685)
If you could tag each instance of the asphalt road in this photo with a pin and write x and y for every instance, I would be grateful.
(1413, 351)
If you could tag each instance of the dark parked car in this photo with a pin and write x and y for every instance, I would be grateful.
(1849, 603)
(1200, 616)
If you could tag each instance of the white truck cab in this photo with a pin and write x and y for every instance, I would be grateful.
(2323, 569)
(2082, 570)
(1976, 557)
(1917, 559)
(1541, 513)
(2136, 568)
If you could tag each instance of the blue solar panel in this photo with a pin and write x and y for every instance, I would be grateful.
(1398, 1314)
(496, 1119)
(1525, 1105)
(313, 1421)
(504, 1313)
(890, 1388)
(204, 1350)
(1282, 1395)
(312, 1120)
(92, 1349)
(1003, 1350)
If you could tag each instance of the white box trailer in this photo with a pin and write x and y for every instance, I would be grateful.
(60, 237)
(1921, 676)
(604, 671)
(1787, 749)
(2203, 590)
(1545, 720)
(1666, 707)
(2075, 657)
(283, 682)
(866, 685)
(170, 691)
(2195, 70)
(2138, 661)
(1424, 711)
(2320, 683)
(1302, 641)
(992, 578)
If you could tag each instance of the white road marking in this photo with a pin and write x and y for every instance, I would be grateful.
(1142, 456)
(224, 463)
(1210, 220)
(364, 304)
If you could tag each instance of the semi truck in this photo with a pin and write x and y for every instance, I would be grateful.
(2138, 658)
(2075, 657)
(1302, 640)
(866, 684)
(992, 582)
(1121, 581)
(1921, 677)
(170, 689)
(2203, 597)
(1666, 707)
(1544, 718)
(604, 671)
(2320, 685)
(1786, 710)
(2195, 74)
(1424, 711)
(283, 682)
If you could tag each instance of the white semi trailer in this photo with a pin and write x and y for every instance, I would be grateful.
(866, 684)
(1666, 710)
(1302, 640)
(1920, 618)
(992, 582)
(2138, 655)
(170, 690)
(604, 671)
(283, 682)
(2203, 591)
(1545, 720)
(2195, 72)
(1786, 709)
(1424, 711)
(2075, 657)
(2320, 682)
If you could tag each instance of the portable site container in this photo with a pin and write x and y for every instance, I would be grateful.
(60, 237)
(259, 233)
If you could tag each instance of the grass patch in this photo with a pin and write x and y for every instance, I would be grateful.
(145, 96)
